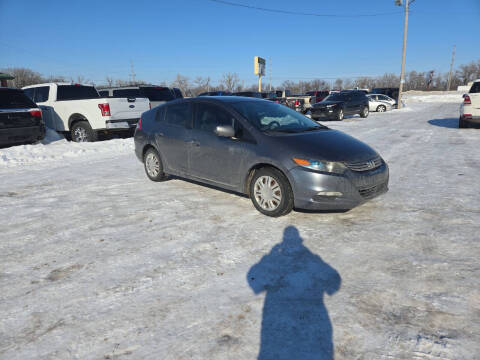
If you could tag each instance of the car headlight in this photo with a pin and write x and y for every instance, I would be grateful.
(330, 106)
(326, 166)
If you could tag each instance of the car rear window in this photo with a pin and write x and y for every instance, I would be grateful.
(475, 88)
(127, 93)
(76, 92)
(158, 93)
(15, 99)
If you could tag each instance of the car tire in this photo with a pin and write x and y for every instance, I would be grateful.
(381, 108)
(340, 115)
(82, 132)
(364, 112)
(271, 193)
(153, 165)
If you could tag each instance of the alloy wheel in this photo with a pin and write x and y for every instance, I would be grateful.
(80, 135)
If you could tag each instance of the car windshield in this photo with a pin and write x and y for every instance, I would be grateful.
(268, 116)
(336, 97)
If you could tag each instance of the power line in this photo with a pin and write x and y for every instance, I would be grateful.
(288, 12)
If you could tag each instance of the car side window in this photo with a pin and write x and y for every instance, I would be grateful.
(475, 88)
(208, 117)
(29, 93)
(179, 114)
(41, 94)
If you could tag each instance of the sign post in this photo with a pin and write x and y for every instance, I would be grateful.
(259, 69)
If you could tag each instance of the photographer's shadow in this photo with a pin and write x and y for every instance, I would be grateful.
(295, 323)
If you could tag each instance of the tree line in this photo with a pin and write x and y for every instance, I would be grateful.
(429, 80)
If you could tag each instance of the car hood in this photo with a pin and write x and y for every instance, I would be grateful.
(328, 102)
(328, 145)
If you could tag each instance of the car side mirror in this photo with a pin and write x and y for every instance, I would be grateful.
(225, 131)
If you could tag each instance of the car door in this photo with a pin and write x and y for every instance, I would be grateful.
(350, 104)
(211, 157)
(173, 136)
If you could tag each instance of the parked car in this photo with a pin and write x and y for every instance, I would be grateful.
(383, 98)
(280, 158)
(216, 93)
(375, 104)
(337, 105)
(318, 95)
(470, 109)
(391, 92)
(79, 111)
(254, 94)
(157, 95)
(20, 118)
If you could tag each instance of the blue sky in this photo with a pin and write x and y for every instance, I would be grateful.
(204, 38)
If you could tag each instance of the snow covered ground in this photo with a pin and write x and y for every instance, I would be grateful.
(98, 262)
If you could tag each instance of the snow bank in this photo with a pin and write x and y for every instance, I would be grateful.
(54, 148)
(434, 96)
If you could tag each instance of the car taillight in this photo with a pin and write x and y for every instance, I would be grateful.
(36, 113)
(139, 124)
(297, 103)
(105, 109)
(468, 116)
(466, 100)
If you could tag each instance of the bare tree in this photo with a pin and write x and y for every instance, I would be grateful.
(109, 81)
(338, 84)
(183, 83)
(231, 81)
(24, 77)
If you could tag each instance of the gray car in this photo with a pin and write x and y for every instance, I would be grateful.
(277, 156)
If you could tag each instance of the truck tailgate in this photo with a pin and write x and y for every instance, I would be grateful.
(123, 108)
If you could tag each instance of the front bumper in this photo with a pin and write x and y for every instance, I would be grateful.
(322, 191)
(324, 112)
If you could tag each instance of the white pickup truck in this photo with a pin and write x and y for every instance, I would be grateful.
(470, 109)
(79, 110)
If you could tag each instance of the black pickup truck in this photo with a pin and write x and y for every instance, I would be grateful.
(20, 118)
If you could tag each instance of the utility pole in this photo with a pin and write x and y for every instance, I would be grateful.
(405, 28)
(132, 75)
(270, 61)
(451, 68)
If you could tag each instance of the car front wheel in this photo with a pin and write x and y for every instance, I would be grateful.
(271, 192)
(340, 115)
(364, 112)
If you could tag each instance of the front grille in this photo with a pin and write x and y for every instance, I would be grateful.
(365, 165)
(371, 192)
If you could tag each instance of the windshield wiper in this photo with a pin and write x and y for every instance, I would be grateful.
(313, 128)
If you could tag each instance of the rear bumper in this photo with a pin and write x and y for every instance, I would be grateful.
(21, 135)
(123, 124)
(321, 191)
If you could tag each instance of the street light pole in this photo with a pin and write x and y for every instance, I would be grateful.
(402, 74)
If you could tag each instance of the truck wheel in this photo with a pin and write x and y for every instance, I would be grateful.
(153, 165)
(271, 192)
(83, 132)
(364, 112)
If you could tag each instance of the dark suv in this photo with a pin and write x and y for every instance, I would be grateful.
(20, 118)
(337, 105)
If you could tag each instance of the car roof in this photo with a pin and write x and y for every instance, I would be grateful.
(217, 99)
